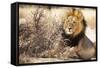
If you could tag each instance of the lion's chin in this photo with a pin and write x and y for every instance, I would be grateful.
(69, 32)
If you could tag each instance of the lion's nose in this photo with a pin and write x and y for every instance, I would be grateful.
(70, 28)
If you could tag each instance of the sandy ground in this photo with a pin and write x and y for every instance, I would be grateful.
(44, 60)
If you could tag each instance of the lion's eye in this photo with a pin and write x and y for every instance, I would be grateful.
(74, 22)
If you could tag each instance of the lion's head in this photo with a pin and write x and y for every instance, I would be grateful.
(74, 23)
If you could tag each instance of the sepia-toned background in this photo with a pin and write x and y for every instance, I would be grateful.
(40, 34)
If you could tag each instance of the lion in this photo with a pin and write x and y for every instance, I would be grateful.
(74, 26)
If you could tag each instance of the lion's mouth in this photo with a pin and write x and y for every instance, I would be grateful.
(69, 31)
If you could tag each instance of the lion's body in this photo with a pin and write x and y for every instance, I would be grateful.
(86, 48)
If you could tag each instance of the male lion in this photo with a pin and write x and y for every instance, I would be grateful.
(74, 27)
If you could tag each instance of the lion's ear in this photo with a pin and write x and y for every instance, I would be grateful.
(67, 14)
(79, 14)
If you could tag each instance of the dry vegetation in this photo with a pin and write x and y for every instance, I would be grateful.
(40, 40)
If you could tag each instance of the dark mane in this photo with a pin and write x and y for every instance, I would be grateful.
(73, 41)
